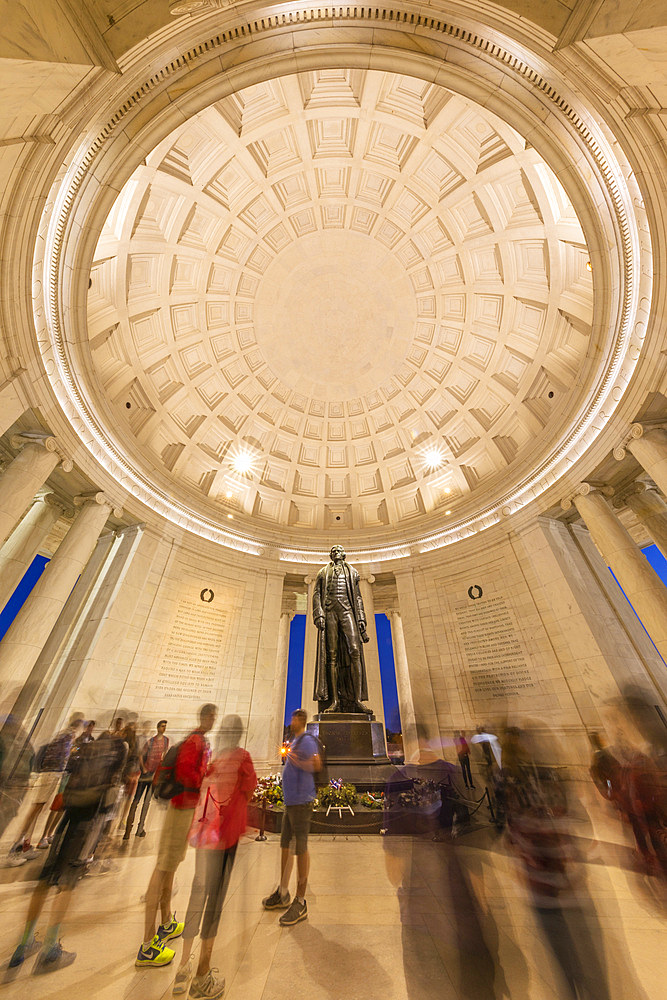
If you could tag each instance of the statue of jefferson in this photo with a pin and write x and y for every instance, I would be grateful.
(338, 613)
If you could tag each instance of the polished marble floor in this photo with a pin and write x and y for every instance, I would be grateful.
(406, 920)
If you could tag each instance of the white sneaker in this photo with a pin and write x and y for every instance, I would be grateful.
(182, 980)
(207, 986)
(15, 858)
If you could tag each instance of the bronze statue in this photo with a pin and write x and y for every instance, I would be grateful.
(338, 612)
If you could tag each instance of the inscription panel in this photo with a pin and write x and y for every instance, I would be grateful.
(497, 666)
(189, 664)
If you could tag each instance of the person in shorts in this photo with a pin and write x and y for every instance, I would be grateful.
(50, 764)
(302, 761)
(191, 765)
(89, 794)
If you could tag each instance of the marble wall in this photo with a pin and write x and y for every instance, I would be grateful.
(528, 627)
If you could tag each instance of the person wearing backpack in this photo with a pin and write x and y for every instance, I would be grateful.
(189, 769)
(50, 762)
(219, 823)
(302, 762)
(90, 793)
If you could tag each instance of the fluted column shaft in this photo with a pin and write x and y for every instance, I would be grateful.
(417, 686)
(651, 510)
(24, 542)
(280, 683)
(22, 478)
(650, 450)
(406, 705)
(641, 584)
(371, 651)
(309, 652)
(30, 629)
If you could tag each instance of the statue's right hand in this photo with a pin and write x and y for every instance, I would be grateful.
(320, 623)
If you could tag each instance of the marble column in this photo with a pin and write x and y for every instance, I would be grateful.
(25, 541)
(371, 651)
(280, 679)
(649, 447)
(406, 705)
(30, 629)
(262, 706)
(640, 583)
(650, 508)
(416, 658)
(23, 477)
(309, 653)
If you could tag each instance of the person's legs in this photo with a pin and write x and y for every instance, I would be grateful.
(219, 866)
(31, 820)
(301, 822)
(36, 905)
(205, 956)
(148, 795)
(154, 895)
(196, 904)
(286, 865)
(58, 913)
(139, 791)
(302, 869)
(52, 822)
(165, 896)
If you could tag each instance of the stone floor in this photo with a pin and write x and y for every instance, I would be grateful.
(399, 920)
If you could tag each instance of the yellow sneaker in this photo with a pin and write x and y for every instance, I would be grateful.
(173, 929)
(155, 955)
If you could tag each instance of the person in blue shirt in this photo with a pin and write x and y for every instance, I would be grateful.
(301, 763)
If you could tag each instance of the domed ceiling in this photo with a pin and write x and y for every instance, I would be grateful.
(342, 299)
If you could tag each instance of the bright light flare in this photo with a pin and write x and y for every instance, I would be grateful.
(243, 462)
(433, 458)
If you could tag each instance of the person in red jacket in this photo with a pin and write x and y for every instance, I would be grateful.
(219, 823)
(191, 766)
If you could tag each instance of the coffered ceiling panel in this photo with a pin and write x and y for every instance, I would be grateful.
(341, 298)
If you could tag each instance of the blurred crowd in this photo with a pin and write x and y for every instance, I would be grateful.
(77, 799)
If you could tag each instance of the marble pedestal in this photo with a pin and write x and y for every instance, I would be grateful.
(355, 748)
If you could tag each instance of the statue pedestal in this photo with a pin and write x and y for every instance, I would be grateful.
(355, 748)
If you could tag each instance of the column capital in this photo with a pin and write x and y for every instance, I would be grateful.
(309, 579)
(51, 500)
(636, 431)
(44, 439)
(584, 490)
(100, 498)
(367, 577)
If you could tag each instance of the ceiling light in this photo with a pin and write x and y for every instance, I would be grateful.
(448, 512)
(228, 495)
(589, 266)
(243, 462)
(433, 458)
(231, 517)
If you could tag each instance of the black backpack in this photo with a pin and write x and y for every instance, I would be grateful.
(94, 773)
(165, 786)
